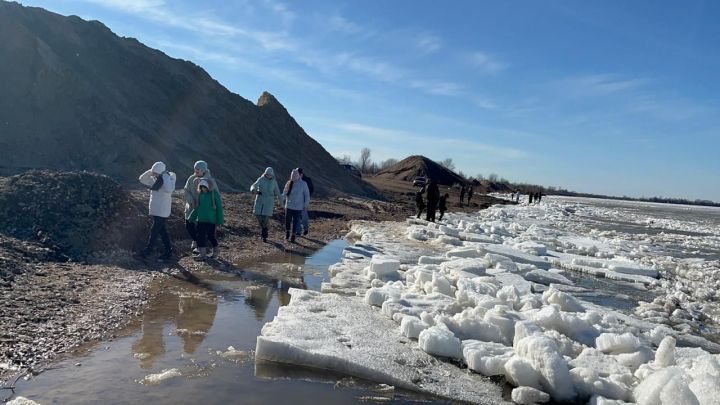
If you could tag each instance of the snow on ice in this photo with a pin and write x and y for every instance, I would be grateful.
(414, 304)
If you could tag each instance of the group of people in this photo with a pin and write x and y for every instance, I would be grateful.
(204, 208)
(536, 197)
(470, 193)
(435, 202)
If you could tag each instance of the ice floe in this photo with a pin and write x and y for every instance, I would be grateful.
(413, 304)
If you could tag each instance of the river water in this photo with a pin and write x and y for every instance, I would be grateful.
(187, 327)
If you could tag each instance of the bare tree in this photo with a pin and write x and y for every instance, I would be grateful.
(479, 176)
(447, 163)
(493, 177)
(364, 161)
(387, 163)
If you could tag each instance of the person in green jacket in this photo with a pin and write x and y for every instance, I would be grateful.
(266, 192)
(201, 171)
(208, 215)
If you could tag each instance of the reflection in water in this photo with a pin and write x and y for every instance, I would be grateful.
(258, 298)
(195, 318)
(193, 315)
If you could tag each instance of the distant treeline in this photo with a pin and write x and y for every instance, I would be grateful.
(531, 188)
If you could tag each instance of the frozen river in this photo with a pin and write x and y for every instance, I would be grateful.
(571, 300)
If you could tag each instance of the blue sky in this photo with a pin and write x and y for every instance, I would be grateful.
(614, 97)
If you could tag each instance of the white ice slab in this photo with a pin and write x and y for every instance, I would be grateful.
(345, 335)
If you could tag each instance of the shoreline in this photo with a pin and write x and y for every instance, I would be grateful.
(52, 309)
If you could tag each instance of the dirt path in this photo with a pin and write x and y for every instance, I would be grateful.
(49, 307)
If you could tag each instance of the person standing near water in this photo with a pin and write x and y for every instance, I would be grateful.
(419, 201)
(305, 220)
(442, 205)
(297, 199)
(267, 193)
(433, 197)
(470, 195)
(462, 194)
(208, 215)
(162, 185)
(191, 196)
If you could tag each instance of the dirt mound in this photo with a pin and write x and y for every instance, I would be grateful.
(494, 187)
(70, 213)
(414, 166)
(78, 97)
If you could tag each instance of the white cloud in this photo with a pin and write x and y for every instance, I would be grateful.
(598, 85)
(428, 43)
(486, 62)
(438, 88)
(444, 143)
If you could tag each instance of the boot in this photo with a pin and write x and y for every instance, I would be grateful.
(215, 252)
(287, 235)
(202, 256)
(264, 234)
(166, 257)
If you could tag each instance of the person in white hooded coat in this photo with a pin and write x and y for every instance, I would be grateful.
(162, 185)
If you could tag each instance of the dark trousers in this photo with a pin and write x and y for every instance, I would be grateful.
(431, 208)
(158, 229)
(206, 235)
(420, 209)
(191, 229)
(442, 212)
(292, 217)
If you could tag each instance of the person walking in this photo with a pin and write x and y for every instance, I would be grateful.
(305, 219)
(162, 185)
(442, 205)
(462, 194)
(470, 195)
(297, 199)
(190, 190)
(267, 193)
(539, 196)
(208, 215)
(433, 197)
(419, 201)
(530, 198)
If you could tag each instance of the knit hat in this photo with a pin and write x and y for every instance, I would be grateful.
(294, 175)
(270, 171)
(158, 167)
(203, 182)
(201, 165)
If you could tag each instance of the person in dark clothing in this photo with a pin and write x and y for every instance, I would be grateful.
(539, 196)
(462, 194)
(530, 198)
(433, 197)
(442, 205)
(419, 201)
(305, 219)
(470, 194)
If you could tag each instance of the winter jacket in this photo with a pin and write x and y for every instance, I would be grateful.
(267, 193)
(160, 193)
(298, 198)
(209, 209)
(433, 194)
(191, 190)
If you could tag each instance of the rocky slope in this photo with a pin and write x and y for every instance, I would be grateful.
(75, 96)
(414, 166)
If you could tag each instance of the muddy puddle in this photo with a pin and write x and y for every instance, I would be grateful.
(179, 351)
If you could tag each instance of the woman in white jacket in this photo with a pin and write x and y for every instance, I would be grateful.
(162, 185)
